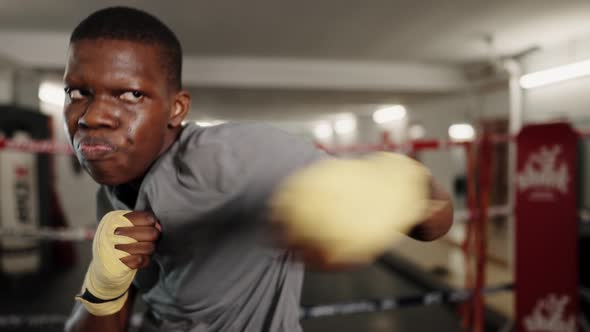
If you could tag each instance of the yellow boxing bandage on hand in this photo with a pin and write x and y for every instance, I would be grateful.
(107, 280)
(351, 211)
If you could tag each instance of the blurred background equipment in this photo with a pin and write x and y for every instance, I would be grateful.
(25, 192)
(28, 200)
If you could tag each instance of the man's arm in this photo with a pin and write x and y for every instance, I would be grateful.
(123, 243)
(82, 320)
(440, 219)
(344, 212)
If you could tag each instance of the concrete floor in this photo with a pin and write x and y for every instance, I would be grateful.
(53, 296)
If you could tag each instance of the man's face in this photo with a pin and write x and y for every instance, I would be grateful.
(117, 107)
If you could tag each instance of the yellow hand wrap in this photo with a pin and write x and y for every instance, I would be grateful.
(108, 279)
(352, 210)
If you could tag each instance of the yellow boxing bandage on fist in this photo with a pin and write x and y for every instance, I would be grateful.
(107, 280)
(351, 211)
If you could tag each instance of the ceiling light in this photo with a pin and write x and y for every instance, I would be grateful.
(554, 75)
(461, 132)
(52, 93)
(389, 113)
(209, 123)
(323, 130)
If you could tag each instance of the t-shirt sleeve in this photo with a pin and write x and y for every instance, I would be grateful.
(270, 155)
(246, 162)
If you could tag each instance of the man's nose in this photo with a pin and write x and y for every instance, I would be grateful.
(99, 114)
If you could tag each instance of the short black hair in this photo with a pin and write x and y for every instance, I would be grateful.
(130, 24)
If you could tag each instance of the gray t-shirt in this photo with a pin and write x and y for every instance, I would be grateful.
(216, 267)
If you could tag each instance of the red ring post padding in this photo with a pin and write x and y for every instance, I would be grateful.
(546, 241)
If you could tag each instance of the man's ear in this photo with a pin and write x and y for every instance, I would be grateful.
(180, 108)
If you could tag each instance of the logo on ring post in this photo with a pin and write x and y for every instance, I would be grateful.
(543, 172)
(548, 316)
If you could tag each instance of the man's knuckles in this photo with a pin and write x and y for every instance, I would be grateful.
(139, 233)
(141, 218)
(138, 248)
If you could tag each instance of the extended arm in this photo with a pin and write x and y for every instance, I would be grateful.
(440, 218)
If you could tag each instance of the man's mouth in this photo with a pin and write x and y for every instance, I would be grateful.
(95, 148)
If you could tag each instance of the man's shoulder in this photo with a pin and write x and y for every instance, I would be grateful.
(240, 133)
(244, 140)
(231, 153)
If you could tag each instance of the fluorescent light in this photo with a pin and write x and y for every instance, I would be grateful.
(389, 113)
(323, 130)
(209, 123)
(554, 75)
(345, 126)
(52, 93)
(416, 131)
(461, 132)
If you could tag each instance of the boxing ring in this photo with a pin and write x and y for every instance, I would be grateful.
(544, 178)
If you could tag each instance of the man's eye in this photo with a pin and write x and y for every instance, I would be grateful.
(75, 94)
(132, 96)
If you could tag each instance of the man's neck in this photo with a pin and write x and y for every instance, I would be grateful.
(170, 138)
(128, 192)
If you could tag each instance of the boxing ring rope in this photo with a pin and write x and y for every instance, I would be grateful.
(51, 147)
(307, 312)
(87, 233)
(479, 154)
(34, 146)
